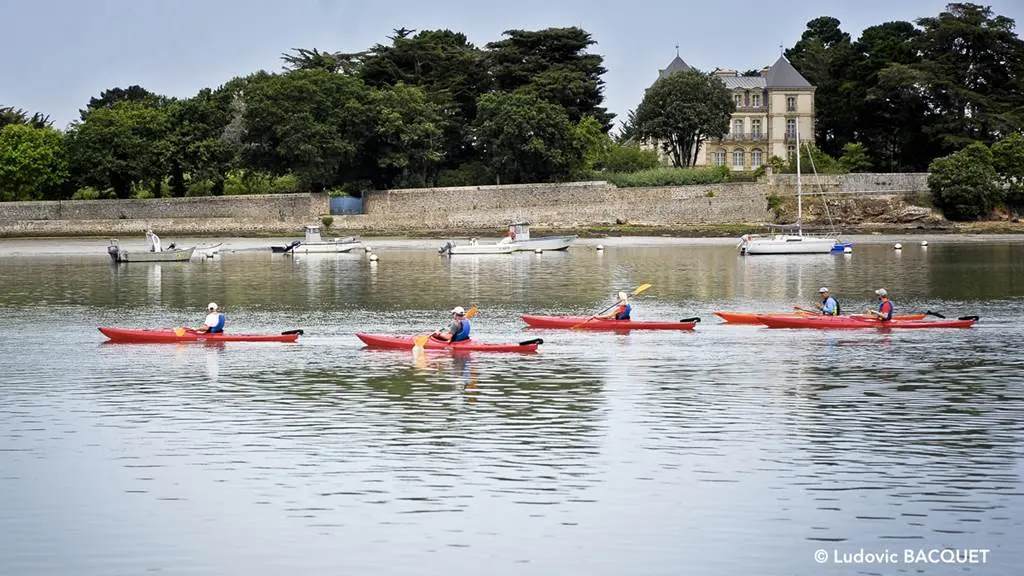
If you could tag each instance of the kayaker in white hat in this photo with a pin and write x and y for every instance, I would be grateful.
(459, 328)
(214, 320)
(622, 308)
(885, 306)
(829, 306)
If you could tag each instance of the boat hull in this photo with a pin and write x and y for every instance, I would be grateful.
(846, 322)
(751, 317)
(787, 244)
(166, 336)
(121, 255)
(544, 243)
(582, 323)
(388, 342)
(318, 248)
(452, 249)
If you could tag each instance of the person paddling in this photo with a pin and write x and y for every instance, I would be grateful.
(885, 306)
(459, 329)
(829, 306)
(214, 320)
(621, 311)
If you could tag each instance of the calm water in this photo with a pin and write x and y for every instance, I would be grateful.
(728, 450)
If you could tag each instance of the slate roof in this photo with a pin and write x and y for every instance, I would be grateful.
(676, 65)
(783, 75)
(743, 82)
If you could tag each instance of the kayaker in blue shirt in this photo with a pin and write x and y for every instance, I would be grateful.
(214, 320)
(829, 306)
(459, 329)
(885, 306)
(621, 311)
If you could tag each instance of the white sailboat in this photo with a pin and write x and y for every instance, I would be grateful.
(793, 243)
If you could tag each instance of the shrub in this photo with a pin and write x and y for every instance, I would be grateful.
(963, 184)
(327, 221)
(668, 177)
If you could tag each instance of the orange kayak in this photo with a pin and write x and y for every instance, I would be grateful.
(751, 317)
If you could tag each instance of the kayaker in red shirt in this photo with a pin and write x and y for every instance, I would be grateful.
(885, 307)
(621, 312)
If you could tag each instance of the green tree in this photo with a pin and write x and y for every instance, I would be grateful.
(11, 115)
(309, 123)
(824, 55)
(855, 158)
(31, 161)
(812, 160)
(406, 143)
(109, 98)
(1008, 161)
(973, 65)
(552, 64)
(340, 62)
(199, 149)
(525, 139)
(963, 184)
(120, 146)
(681, 111)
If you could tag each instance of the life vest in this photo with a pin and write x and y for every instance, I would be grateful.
(837, 312)
(463, 333)
(885, 308)
(220, 324)
(623, 312)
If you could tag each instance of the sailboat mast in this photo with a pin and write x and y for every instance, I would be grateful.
(799, 184)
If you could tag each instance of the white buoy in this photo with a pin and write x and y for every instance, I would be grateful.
(373, 257)
(538, 251)
(847, 250)
(924, 243)
(600, 247)
(898, 246)
(367, 248)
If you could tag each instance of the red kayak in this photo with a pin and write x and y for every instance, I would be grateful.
(581, 322)
(834, 322)
(171, 336)
(407, 343)
(751, 317)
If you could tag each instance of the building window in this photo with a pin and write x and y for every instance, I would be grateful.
(790, 151)
(755, 100)
(737, 128)
(755, 128)
(719, 157)
(755, 158)
(791, 128)
(790, 103)
(737, 99)
(737, 159)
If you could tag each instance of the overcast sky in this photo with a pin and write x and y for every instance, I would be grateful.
(58, 54)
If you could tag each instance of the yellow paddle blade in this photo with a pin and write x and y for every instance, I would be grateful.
(420, 340)
(471, 312)
(641, 288)
(179, 332)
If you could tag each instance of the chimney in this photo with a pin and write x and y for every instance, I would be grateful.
(764, 71)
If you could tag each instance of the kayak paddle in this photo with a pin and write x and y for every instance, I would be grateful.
(419, 341)
(639, 289)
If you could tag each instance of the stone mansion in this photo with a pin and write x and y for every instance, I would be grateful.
(768, 107)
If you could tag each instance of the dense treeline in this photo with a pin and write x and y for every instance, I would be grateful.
(429, 108)
(908, 93)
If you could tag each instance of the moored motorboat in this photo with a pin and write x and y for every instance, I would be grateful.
(844, 322)
(751, 317)
(518, 236)
(314, 244)
(450, 248)
(589, 323)
(120, 255)
(177, 335)
(408, 342)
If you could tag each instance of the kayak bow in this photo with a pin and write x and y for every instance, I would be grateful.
(168, 336)
(407, 342)
(751, 317)
(582, 323)
(837, 322)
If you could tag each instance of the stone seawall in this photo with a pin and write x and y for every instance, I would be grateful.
(444, 210)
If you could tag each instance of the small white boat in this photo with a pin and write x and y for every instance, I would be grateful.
(450, 248)
(208, 251)
(171, 254)
(518, 237)
(313, 243)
